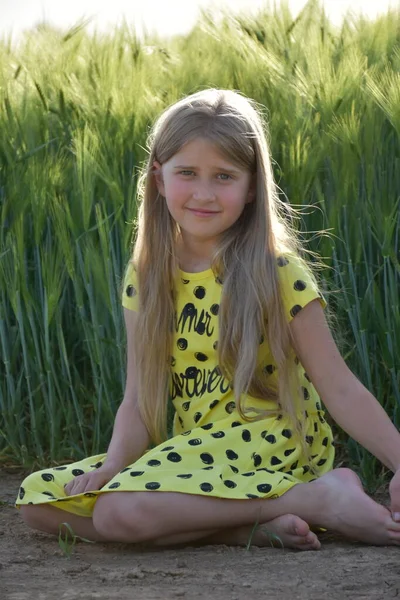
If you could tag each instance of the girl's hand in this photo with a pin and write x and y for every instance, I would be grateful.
(394, 490)
(88, 482)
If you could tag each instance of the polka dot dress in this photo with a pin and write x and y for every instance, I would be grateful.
(212, 452)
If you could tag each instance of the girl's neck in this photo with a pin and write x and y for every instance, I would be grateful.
(194, 257)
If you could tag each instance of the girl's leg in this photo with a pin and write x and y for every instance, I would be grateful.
(288, 531)
(335, 501)
(49, 519)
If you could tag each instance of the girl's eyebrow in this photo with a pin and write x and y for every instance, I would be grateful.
(225, 169)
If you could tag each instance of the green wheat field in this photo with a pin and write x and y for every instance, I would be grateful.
(75, 110)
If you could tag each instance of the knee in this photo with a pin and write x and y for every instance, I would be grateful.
(119, 518)
(32, 515)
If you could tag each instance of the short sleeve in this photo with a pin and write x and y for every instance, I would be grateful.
(298, 286)
(130, 297)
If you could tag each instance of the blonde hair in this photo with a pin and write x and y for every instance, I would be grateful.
(246, 259)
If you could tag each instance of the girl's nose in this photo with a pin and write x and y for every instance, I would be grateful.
(203, 192)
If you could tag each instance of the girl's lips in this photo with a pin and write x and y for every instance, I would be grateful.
(202, 213)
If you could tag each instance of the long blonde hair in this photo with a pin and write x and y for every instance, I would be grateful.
(246, 259)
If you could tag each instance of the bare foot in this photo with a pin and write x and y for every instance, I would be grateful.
(348, 510)
(287, 531)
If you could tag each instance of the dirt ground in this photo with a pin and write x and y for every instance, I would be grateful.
(33, 567)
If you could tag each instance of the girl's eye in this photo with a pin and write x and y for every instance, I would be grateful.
(185, 172)
(225, 175)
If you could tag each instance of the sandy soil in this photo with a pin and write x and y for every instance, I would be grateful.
(32, 566)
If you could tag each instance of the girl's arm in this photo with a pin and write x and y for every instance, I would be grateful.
(130, 437)
(351, 405)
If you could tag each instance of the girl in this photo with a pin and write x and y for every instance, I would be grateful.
(224, 317)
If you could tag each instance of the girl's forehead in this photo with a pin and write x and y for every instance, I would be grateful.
(201, 150)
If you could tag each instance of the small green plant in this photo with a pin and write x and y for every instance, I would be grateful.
(67, 539)
(271, 536)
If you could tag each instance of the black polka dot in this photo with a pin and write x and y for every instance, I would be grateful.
(207, 468)
(299, 285)
(114, 485)
(307, 377)
(130, 291)
(230, 407)
(195, 442)
(97, 465)
(182, 343)
(201, 357)
(185, 475)
(199, 292)
(185, 281)
(306, 393)
(206, 487)
(214, 309)
(207, 426)
(321, 418)
(136, 473)
(316, 427)
(275, 460)
(197, 416)
(61, 468)
(231, 454)
(294, 465)
(234, 469)
(207, 458)
(49, 494)
(309, 439)
(249, 474)
(77, 472)
(295, 310)
(214, 403)
(257, 460)
(125, 470)
(270, 438)
(187, 432)
(321, 462)
(269, 369)
(152, 485)
(185, 405)
(172, 361)
(166, 448)
(282, 261)
(180, 421)
(252, 496)
(87, 495)
(287, 433)
(289, 451)
(219, 280)
(306, 469)
(264, 488)
(230, 484)
(215, 345)
(21, 493)
(236, 424)
(47, 477)
(318, 406)
(246, 435)
(191, 372)
(325, 441)
(174, 457)
(153, 463)
(266, 470)
(218, 434)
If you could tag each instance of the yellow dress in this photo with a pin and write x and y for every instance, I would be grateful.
(212, 452)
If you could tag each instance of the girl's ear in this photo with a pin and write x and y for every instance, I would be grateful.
(158, 177)
(251, 194)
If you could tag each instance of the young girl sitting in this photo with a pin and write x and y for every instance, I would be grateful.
(225, 318)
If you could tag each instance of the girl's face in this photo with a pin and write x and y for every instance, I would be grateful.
(205, 193)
